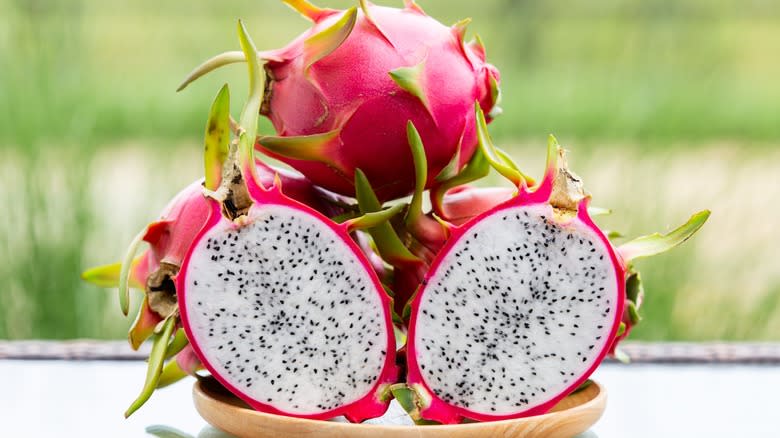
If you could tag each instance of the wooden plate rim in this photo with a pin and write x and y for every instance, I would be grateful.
(597, 403)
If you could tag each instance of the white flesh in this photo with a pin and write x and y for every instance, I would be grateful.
(285, 312)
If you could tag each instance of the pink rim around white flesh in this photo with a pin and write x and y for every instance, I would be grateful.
(346, 352)
(499, 337)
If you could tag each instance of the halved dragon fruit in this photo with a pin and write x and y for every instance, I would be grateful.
(169, 238)
(340, 95)
(522, 303)
(279, 303)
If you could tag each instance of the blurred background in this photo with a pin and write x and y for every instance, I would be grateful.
(667, 107)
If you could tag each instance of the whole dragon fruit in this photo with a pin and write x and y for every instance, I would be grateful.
(340, 95)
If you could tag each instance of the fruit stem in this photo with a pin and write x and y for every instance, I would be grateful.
(566, 190)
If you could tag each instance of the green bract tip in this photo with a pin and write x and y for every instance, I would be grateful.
(387, 242)
(217, 138)
(325, 42)
(420, 173)
(124, 273)
(156, 359)
(248, 122)
(657, 243)
(410, 79)
(309, 10)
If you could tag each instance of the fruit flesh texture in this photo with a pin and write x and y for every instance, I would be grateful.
(351, 90)
(463, 203)
(538, 326)
(297, 331)
(520, 275)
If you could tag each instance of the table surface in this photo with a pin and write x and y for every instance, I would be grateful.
(49, 398)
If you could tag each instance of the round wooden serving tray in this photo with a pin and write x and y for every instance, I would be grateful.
(573, 415)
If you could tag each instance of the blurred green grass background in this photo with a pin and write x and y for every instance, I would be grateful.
(667, 107)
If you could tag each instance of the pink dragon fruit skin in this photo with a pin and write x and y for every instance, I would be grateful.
(394, 66)
(170, 237)
(465, 202)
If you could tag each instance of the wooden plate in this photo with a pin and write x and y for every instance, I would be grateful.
(573, 415)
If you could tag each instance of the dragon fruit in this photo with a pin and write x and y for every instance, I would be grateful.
(340, 95)
(456, 203)
(170, 237)
(523, 301)
(511, 297)
(279, 303)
